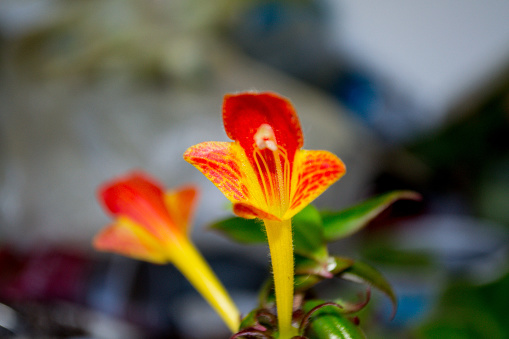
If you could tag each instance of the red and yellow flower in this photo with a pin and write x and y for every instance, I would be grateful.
(153, 225)
(265, 174)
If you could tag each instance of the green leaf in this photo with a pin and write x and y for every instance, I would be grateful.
(259, 318)
(363, 273)
(470, 309)
(329, 323)
(249, 320)
(309, 272)
(266, 297)
(338, 225)
(305, 265)
(387, 254)
(246, 231)
(305, 282)
(340, 264)
(308, 234)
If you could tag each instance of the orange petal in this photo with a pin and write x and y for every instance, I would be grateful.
(249, 212)
(314, 172)
(128, 238)
(181, 203)
(221, 163)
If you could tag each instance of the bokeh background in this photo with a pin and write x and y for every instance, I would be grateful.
(410, 94)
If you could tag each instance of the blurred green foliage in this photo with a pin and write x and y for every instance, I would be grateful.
(469, 311)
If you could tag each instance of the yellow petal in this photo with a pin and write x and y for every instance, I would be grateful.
(226, 165)
(313, 173)
(128, 238)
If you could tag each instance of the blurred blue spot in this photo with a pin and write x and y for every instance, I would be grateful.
(358, 93)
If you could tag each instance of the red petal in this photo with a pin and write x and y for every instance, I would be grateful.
(140, 198)
(244, 113)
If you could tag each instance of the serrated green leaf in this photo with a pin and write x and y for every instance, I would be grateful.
(329, 323)
(338, 225)
(246, 231)
(363, 273)
(308, 234)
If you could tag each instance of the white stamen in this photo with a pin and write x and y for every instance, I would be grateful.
(265, 138)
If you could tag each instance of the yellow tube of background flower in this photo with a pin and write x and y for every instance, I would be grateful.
(192, 265)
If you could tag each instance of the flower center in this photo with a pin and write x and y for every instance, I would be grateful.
(273, 169)
(265, 138)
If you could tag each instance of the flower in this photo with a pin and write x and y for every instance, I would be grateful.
(152, 225)
(148, 220)
(265, 174)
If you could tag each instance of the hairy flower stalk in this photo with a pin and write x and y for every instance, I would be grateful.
(279, 235)
(153, 226)
(266, 175)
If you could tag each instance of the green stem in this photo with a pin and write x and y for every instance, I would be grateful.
(193, 266)
(279, 235)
